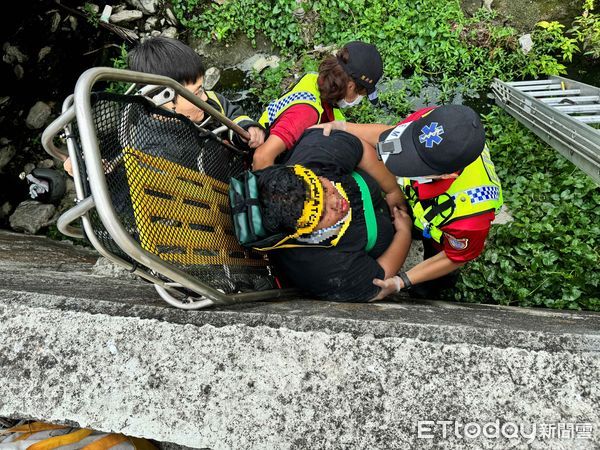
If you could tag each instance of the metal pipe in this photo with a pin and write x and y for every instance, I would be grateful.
(64, 221)
(97, 181)
(53, 129)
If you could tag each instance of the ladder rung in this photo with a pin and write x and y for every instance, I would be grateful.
(541, 87)
(528, 83)
(554, 93)
(588, 119)
(580, 99)
(578, 108)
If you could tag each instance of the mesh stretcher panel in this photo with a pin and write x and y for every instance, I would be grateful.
(168, 182)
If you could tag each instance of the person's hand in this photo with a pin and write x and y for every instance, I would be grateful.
(402, 221)
(329, 126)
(68, 166)
(257, 137)
(388, 286)
(396, 199)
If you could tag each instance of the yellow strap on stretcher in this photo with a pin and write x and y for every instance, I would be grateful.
(59, 441)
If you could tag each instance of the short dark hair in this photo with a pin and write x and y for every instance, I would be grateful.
(282, 195)
(168, 57)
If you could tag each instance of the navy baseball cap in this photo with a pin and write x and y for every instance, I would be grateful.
(364, 65)
(444, 140)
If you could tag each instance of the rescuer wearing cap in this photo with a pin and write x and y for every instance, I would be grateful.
(451, 188)
(329, 228)
(342, 82)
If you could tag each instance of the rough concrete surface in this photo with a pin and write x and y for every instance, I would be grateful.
(107, 354)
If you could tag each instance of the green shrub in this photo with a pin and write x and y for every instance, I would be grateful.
(550, 254)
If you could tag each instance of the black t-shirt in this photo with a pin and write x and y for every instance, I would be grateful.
(344, 272)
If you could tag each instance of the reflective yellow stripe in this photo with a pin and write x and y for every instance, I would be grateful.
(59, 441)
(106, 442)
(33, 427)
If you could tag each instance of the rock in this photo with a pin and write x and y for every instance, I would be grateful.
(28, 168)
(415, 255)
(38, 116)
(146, 6)
(171, 17)
(73, 22)
(55, 22)
(150, 23)
(259, 62)
(155, 33)
(19, 71)
(487, 4)
(170, 32)
(105, 268)
(4, 141)
(299, 13)
(6, 154)
(43, 53)
(31, 216)
(4, 102)
(13, 55)
(128, 15)
(5, 210)
(45, 164)
(93, 8)
(503, 217)
(526, 43)
(211, 78)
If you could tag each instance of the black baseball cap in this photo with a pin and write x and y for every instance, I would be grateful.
(445, 140)
(364, 65)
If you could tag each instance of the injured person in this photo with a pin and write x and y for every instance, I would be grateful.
(323, 219)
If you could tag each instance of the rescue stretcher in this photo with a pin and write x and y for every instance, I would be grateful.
(152, 191)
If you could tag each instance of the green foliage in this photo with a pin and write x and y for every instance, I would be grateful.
(422, 38)
(550, 254)
(91, 15)
(586, 29)
(120, 62)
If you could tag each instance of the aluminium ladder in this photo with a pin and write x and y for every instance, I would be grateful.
(563, 113)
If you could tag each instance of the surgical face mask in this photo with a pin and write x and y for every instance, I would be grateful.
(344, 104)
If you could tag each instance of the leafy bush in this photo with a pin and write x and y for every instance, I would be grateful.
(586, 29)
(422, 38)
(550, 254)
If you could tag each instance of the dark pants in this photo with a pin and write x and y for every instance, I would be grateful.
(432, 289)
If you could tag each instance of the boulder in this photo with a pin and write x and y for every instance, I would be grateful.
(146, 6)
(38, 116)
(31, 216)
(128, 15)
(6, 154)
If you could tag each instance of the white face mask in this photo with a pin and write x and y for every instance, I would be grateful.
(344, 104)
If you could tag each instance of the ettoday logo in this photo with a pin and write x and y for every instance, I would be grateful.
(431, 134)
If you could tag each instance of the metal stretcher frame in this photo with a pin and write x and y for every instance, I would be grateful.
(79, 107)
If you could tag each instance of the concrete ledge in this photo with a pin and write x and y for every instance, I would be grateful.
(108, 354)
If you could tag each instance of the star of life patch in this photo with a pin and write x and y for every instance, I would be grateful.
(456, 243)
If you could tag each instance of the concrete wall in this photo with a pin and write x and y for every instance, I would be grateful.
(108, 354)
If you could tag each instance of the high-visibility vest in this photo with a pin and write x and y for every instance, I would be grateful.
(47, 436)
(304, 92)
(477, 190)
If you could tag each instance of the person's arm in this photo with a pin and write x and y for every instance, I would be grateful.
(284, 134)
(236, 114)
(371, 164)
(432, 268)
(368, 132)
(265, 154)
(392, 259)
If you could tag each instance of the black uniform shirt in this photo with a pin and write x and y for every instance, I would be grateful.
(344, 272)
